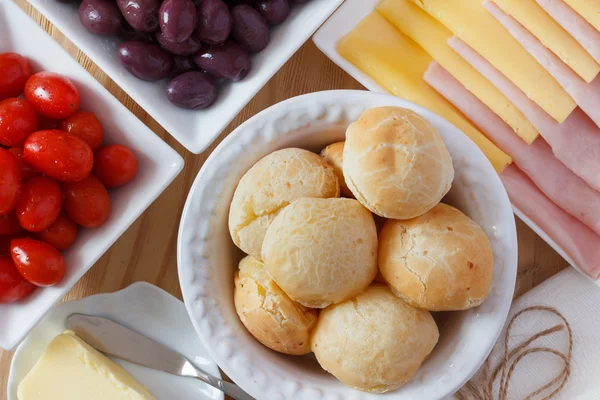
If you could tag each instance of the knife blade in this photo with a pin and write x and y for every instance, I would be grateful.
(116, 340)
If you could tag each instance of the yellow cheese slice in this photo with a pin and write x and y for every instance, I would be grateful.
(398, 64)
(433, 37)
(468, 20)
(70, 369)
(552, 35)
(588, 9)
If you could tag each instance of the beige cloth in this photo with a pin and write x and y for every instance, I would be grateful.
(577, 299)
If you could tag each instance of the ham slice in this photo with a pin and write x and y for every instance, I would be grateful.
(586, 95)
(556, 181)
(575, 142)
(578, 242)
(587, 36)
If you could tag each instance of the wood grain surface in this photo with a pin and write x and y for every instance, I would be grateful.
(147, 251)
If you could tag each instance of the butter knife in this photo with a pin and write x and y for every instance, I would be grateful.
(114, 339)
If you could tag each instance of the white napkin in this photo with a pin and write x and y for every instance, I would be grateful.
(577, 299)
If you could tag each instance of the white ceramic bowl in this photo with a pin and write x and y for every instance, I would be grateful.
(158, 166)
(144, 308)
(207, 257)
(194, 129)
(341, 23)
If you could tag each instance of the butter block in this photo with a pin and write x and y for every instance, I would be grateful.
(433, 37)
(588, 9)
(70, 369)
(398, 64)
(552, 35)
(471, 22)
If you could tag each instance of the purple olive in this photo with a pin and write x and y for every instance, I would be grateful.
(190, 46)
(141, 14)
(177, 19)
(128, 33)
(273, 11)
(229, 61)
(299, 1)
(145, 60)
(233, 3)
(192, 90)
(183, 64)
(249, 29)
(214, 22)
(101, 17)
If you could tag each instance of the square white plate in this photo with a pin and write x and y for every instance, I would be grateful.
(194, 129)
(158, 166)
(340, 24)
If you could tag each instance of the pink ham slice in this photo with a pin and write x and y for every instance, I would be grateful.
(577, 241)
(586, 95)
(575, 142)
(556, 181)
(575, 24)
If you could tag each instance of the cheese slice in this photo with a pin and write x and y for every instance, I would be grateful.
(70, 369)
(552, 35)
(433, 37)
(588, 9)
(468, 20)
(398, 64)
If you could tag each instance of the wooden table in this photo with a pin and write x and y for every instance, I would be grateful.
(146, 252)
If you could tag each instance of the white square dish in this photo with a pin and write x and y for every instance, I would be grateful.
(194, 129)
(340, 24)
(158, 166)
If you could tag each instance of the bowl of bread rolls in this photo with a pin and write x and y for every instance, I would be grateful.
(348, 245)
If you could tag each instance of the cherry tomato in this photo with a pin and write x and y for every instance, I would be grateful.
(12, 285)
(38, 262)
(9, 224)
(115, 165)
(59, 155)
(85, 125)
(61, 234)
(27, 171)
(10, 182)
(52, 95)
(14, 72)
(17, 121)
(39, 204)
(87, 202)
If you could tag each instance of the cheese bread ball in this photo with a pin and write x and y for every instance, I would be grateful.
(440, 261)
(268, 313)
(334, 156)
(322, 251)
(271, 184)
(396, 163)
(375, 342)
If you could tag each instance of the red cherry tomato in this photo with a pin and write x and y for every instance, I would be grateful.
(52, 95)
(17, 121)
(87, 202)
(115, 165)
(85, 125)
(59, 155)
(27, 171)
(38, 262)
(39, 204)
(61, 234)
(10, 182)
(9, 224)
(14, 72)
(12, 285)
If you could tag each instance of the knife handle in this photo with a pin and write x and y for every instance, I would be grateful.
(229, 389)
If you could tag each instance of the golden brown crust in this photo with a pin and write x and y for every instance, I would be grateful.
(374, 342)
(334, 156)
(440, 261)
(271, 184)
(396, 164)
(322, 251)
(268, 313)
